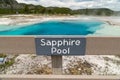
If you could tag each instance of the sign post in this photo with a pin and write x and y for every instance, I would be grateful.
(57, 64)
(58, 46)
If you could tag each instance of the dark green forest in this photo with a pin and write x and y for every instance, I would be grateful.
(13, 7)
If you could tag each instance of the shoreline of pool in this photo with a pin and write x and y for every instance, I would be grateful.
(23, 19)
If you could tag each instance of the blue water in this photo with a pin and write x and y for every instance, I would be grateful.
(54, 28)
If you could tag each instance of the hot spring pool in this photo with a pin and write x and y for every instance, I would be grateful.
(59, 27)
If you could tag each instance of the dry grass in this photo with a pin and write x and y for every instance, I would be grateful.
(79, 68)
(42, 70)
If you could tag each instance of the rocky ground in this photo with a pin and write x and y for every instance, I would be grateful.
(95, 65)
(79, 65)
(30, 64)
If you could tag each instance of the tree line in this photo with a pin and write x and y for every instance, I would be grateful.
(20, 8)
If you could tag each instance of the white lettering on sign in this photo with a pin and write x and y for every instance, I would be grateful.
(60, 51)
(59, 43)
(55, 44)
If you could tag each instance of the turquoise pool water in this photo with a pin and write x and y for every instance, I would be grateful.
(53, 28)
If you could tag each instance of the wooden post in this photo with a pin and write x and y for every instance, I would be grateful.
(56, 64)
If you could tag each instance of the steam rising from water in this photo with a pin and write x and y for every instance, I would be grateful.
(107, 30)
